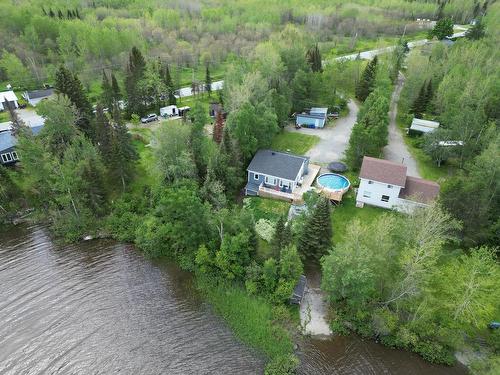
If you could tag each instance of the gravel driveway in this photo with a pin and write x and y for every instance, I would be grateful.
(396, 150)
(334, 138)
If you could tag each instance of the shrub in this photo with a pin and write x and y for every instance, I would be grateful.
(282, 365)
(265, 229)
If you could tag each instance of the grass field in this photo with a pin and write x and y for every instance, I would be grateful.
(347, 211)
(296, 143)
(264, 208)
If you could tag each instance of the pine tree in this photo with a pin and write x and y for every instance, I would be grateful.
(107, 91)
(418, 106)
(18, 126)
(51, 13)
(367, 82)
(103, 134)
(197, 139)
(429, 92)
(70, 85)
(60, 14)
(218, 127)
(313, 57)
(316, 235)
(167, 79)
(281, 237)
(208, 81)
(115, 89)
(135, 72)
(123, 153)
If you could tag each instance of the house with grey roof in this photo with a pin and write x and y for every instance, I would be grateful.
(385, 184)
(8, 154)
(275, 172)
(316, 118)
(36, 96)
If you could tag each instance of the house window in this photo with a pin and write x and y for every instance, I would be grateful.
(389, 186)
(270, 180)
(14, 155)
(256, 176)
(6, 157)
(367, 194)
(370, 182)
(385, 198)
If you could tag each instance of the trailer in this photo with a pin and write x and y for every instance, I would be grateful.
(169, 111)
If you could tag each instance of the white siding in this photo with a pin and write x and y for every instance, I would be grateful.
(371, 193)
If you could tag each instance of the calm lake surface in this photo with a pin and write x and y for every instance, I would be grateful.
(100, 307)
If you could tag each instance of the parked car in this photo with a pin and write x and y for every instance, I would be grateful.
(149, 118)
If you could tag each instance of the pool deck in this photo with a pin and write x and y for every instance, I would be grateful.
(309, 178)
(334, 194)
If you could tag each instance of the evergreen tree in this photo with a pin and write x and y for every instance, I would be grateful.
(281, 237)
(367, 82)
(115, 89)
(218, 127)
(135, 72)
(51, 13)
(18, 125)
(197, 140)
(123, 154)
(443, 28)
(208, 81)
(107, 91)
(429, 93)
(103, 134)
(316, 235)
(60, 14)
(313, 57)
(476, 32)
(419, 104)
(169, 84)
(70, 85)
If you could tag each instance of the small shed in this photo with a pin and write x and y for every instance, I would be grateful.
(420, 126)
(36, 96)
(316, 118)
(169, 111)
(184, 110)
(10, 97)
(298, 292)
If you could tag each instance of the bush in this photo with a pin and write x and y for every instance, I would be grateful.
(434, 352)
(282, 365)
(265, 229)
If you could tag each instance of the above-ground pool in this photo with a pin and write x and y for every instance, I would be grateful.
(335, 185)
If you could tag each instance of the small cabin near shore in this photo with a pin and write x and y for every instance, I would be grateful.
(299, 291)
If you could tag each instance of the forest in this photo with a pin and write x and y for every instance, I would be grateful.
(425, 282)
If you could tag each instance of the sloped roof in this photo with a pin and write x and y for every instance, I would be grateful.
(35, 94)
(384, 171)
(7, 140)
(277, 164)
(424, 126)
(420, 190)
(9, 95)
(319, 111)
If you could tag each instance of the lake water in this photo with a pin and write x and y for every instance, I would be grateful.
(100, 307)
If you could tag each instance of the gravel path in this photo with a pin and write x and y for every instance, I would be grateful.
(396, 150)
(334, 138)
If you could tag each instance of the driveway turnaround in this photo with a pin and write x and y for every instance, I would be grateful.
(334, 138)
(396, 150)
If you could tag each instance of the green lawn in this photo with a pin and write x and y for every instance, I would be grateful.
(347, 211)
(4, 116)
(264, 208)
(426, 166)
(296, 143)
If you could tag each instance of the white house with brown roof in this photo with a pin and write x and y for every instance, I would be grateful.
(385, 184)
